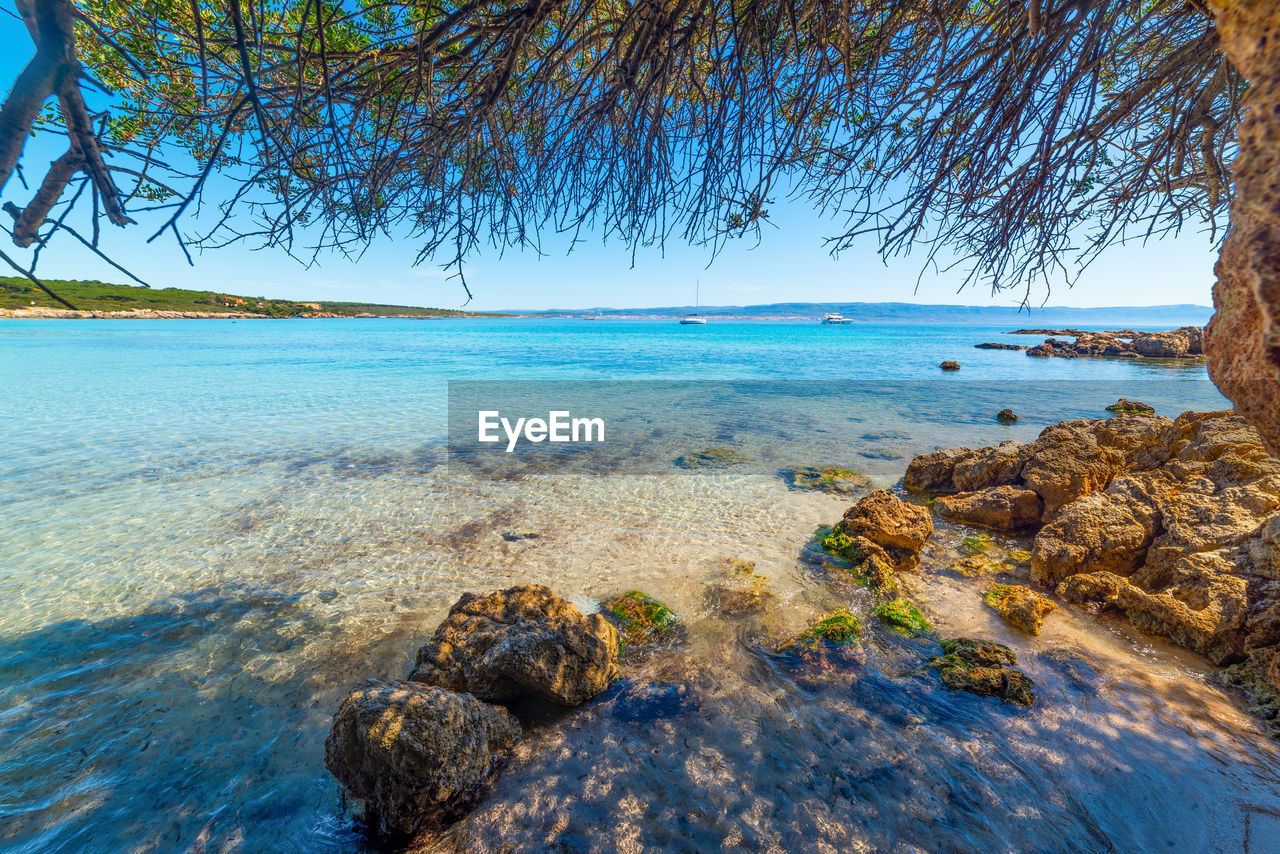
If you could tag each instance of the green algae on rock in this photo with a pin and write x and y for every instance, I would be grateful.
(1020, 605)
(983, 668)
(829, 479)
(869, 563)
(903, 617)
(880, 535)
(980, 565)
(639, 617)
(839, 627)
(976, 544)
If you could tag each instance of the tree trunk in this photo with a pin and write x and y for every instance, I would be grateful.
(1243, 338)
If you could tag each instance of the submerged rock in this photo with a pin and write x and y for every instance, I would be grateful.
(640, 618)
(1007, 416)
(523, 640)
(839, 627)
(950, 366)
(829, 479)
(412, 752)
(983, 668)
(1021, 606)
(651, 701)
(741, 592)
(715, 458)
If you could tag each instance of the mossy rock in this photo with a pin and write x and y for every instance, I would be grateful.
(1019, 605)
(712, 458)
(903, 617)
(976, 544)
(738, 568)
(836, 481)
(838, 628)
(1019, 556)
(979, 565)
(978, 651)
(840, 544)
(994, 594)
(1008, 684)
(870, 565)
(983, 668)
(640, 618)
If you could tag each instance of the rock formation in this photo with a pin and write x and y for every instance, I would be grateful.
(950, 366)
(1182, 343)
(1243, 338)
(1174, 522)
(411, 752)
(523, 640)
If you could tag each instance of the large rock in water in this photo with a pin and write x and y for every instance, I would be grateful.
(412, 751)
(523, 640)
(1174, 522)
(883, 524)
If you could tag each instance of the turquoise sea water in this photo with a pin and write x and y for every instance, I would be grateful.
(211, 529)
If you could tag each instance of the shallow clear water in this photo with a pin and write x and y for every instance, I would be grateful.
(211, 529)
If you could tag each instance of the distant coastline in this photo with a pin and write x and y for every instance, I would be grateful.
(899, 312)
(20, 298)
(43, 313)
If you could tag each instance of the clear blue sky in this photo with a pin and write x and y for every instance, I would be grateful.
(791, 264)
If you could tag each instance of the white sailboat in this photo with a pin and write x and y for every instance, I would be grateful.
(694, 319)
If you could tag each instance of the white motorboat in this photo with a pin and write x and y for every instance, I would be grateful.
(834, 319)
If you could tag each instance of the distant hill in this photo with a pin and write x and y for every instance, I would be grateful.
(101, 296)
(901, 312)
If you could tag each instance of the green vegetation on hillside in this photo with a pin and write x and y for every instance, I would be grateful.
(99, 296)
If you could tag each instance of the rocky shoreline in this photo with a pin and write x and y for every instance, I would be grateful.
(130, 314)
(1173, 523)
(1186, 342)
